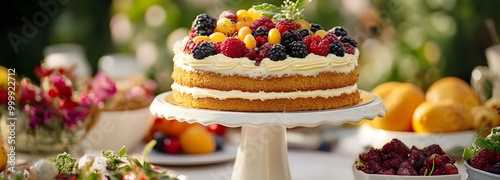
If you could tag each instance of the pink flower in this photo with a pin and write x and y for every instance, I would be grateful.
(38, 115)
(30, 93)
(72, 116)
(62, 86)
(150, 86)
(136, 92)
(103, 86)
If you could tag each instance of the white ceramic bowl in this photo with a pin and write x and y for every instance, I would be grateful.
(360, 175)
(115, 129)
(452, 143)
(476, 174)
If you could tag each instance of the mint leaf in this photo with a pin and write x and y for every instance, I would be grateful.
(468, 154)
(300, 5)
(267, 10)
(122, 152)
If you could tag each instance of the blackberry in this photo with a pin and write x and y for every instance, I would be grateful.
(337, 48)
(277, 52)
(495, 169)
(304, 32)
(338, 31)
(204, 50)
(260, 31)
(297, 49)
(315, 27)
(289, 37)
(204, 25)
(349, 40)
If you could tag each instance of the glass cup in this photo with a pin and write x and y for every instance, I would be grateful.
(491, 73)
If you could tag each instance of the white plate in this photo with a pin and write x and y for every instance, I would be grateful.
(370, 107)
(228, 153)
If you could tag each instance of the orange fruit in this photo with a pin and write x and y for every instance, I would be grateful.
(400, 99)
(3, 157)
(441, 117)
(452, 88)
(197, 140)
(170, 127)
(382, 91)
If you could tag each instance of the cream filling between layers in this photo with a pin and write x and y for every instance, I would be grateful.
(311, 65)
(211, 93)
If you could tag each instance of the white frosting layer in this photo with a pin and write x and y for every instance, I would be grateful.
(210, 93)
(311, 65)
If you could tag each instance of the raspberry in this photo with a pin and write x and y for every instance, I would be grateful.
(260, 31)
(277, 52)
(417, 158)
(218, 47)
(315, 27)
(337, 48)
(190, 46)
(432, 149)
(192, 34)
(389, 172)
(233, 48)
(287, 25)
(480, 160)
(263, 21)
(304, 32)
(307, 41)
(396, 146)
(373, 154)
(332, 38)
(297, 49)
(495, 169)
(204, 25)
(406, 169)
(347, 39)
(394, 162)
(450, 169)
(204, 50)
(289, 37)
(348, 48)
(263, 52)
(338, 31)
(319, 46)
(261, 40)
(228, 14)
(251, 54)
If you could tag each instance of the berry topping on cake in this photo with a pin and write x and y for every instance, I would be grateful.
(338, 31)
(297, 49)
(277, 52)
(204, 50)
(315, 27)
(349, 49)
(337, 48)
(263, 21)
(233, 48)
(304, 32)
(290, 36)
(204, 25)
(347, 39)
(228, 14)
(319, 46)
(252, 33)
(260, 31)
(287, 25)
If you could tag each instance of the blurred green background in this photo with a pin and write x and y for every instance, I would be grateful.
(414, 41)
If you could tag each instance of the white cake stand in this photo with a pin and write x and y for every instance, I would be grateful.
(263, 153)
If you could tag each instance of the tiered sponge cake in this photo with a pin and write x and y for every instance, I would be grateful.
(303, 70)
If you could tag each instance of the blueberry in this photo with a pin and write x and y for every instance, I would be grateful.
(219, 142)
(159, 137)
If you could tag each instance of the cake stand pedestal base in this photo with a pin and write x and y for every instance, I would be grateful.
(262, 154)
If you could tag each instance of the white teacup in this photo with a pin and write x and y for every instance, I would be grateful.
(491, 73)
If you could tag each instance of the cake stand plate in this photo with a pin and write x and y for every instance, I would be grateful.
(263, 153)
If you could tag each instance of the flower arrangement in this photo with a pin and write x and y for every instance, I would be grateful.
(53, 115)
